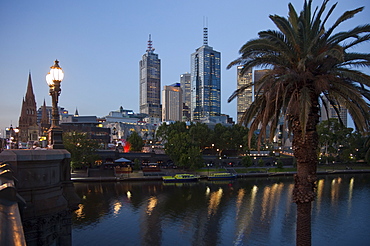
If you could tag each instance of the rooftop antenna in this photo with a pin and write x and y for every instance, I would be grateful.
(205, 31)
(150, 48)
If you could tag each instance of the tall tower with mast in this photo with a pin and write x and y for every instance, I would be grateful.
(205, 81)
(150, 84)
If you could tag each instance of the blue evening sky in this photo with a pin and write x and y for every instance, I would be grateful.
(99, 45)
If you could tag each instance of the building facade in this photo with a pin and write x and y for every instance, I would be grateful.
(245, 99)
(88, 125)
(205, 81)
(331, 113)
(172, 103)
(150, 84)
(257, 75)
(185, 82)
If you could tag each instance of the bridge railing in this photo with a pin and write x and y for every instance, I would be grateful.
(11, 229)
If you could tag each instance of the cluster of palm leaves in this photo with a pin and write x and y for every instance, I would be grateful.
(308, 63)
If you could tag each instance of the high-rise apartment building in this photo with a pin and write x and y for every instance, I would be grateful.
(185, 82)
(245, 99)
(257, 75)
(172, 103)
(150, 84)
(205, 81)
(330, 112)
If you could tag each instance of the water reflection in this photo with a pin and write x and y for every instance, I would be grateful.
(350, 193)
(128, 193)
(244, 212)
(335, 189)
(79, 213)
(117, 207)
(214, 201)
(152, 202)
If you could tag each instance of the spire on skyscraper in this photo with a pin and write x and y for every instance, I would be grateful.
(150, 48)
(205, 31)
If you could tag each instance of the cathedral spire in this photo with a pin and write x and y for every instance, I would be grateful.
(44, 114)
(76, 113)
(28, 118)
(29, 93)
(45, 120)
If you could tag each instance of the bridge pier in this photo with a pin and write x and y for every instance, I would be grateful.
(44, 182)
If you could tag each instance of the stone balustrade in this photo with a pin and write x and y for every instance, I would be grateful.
(43, 180)
(11, 229)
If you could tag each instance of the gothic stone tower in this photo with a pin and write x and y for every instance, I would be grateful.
(28, 119)
(45, 120)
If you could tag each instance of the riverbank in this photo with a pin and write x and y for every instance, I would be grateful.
(82, 176)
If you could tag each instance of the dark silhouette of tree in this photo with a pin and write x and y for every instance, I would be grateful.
(82, 148)
(136, 142)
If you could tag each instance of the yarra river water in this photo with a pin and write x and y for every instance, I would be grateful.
(250, 211)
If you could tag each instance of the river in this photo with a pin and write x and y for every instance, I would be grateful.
(250, 211)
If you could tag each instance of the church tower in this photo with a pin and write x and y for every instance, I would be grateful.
(45, 120)
(28, 119)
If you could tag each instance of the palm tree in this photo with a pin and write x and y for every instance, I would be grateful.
(308, 64)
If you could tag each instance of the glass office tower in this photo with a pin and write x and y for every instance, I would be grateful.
(150, 84)
(246, 98)
(205, 81)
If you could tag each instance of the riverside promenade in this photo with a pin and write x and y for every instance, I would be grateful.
(82, 175)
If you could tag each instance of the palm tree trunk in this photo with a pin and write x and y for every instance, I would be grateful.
(305, 151)
(303, 230)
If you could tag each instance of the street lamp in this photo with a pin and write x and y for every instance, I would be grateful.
(16, 131)
(55, 132)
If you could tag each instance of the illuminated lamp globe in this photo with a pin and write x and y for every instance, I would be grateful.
(55, 74)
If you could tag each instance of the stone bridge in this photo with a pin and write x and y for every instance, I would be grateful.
(40, 191)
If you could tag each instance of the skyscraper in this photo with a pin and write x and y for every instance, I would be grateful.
(172, 103)
(150, 84)
(330, 112)
(245, 99)
(185, 82)
(205, 81)
(258, 74)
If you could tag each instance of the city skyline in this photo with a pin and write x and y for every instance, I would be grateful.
(99, 46)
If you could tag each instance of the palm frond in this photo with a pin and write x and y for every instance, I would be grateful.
(347, 15)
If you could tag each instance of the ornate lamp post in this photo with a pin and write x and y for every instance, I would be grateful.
(55, 132)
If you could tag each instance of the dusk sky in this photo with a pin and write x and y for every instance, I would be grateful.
(99, 45)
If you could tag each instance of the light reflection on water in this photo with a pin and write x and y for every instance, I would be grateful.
(244, 212)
